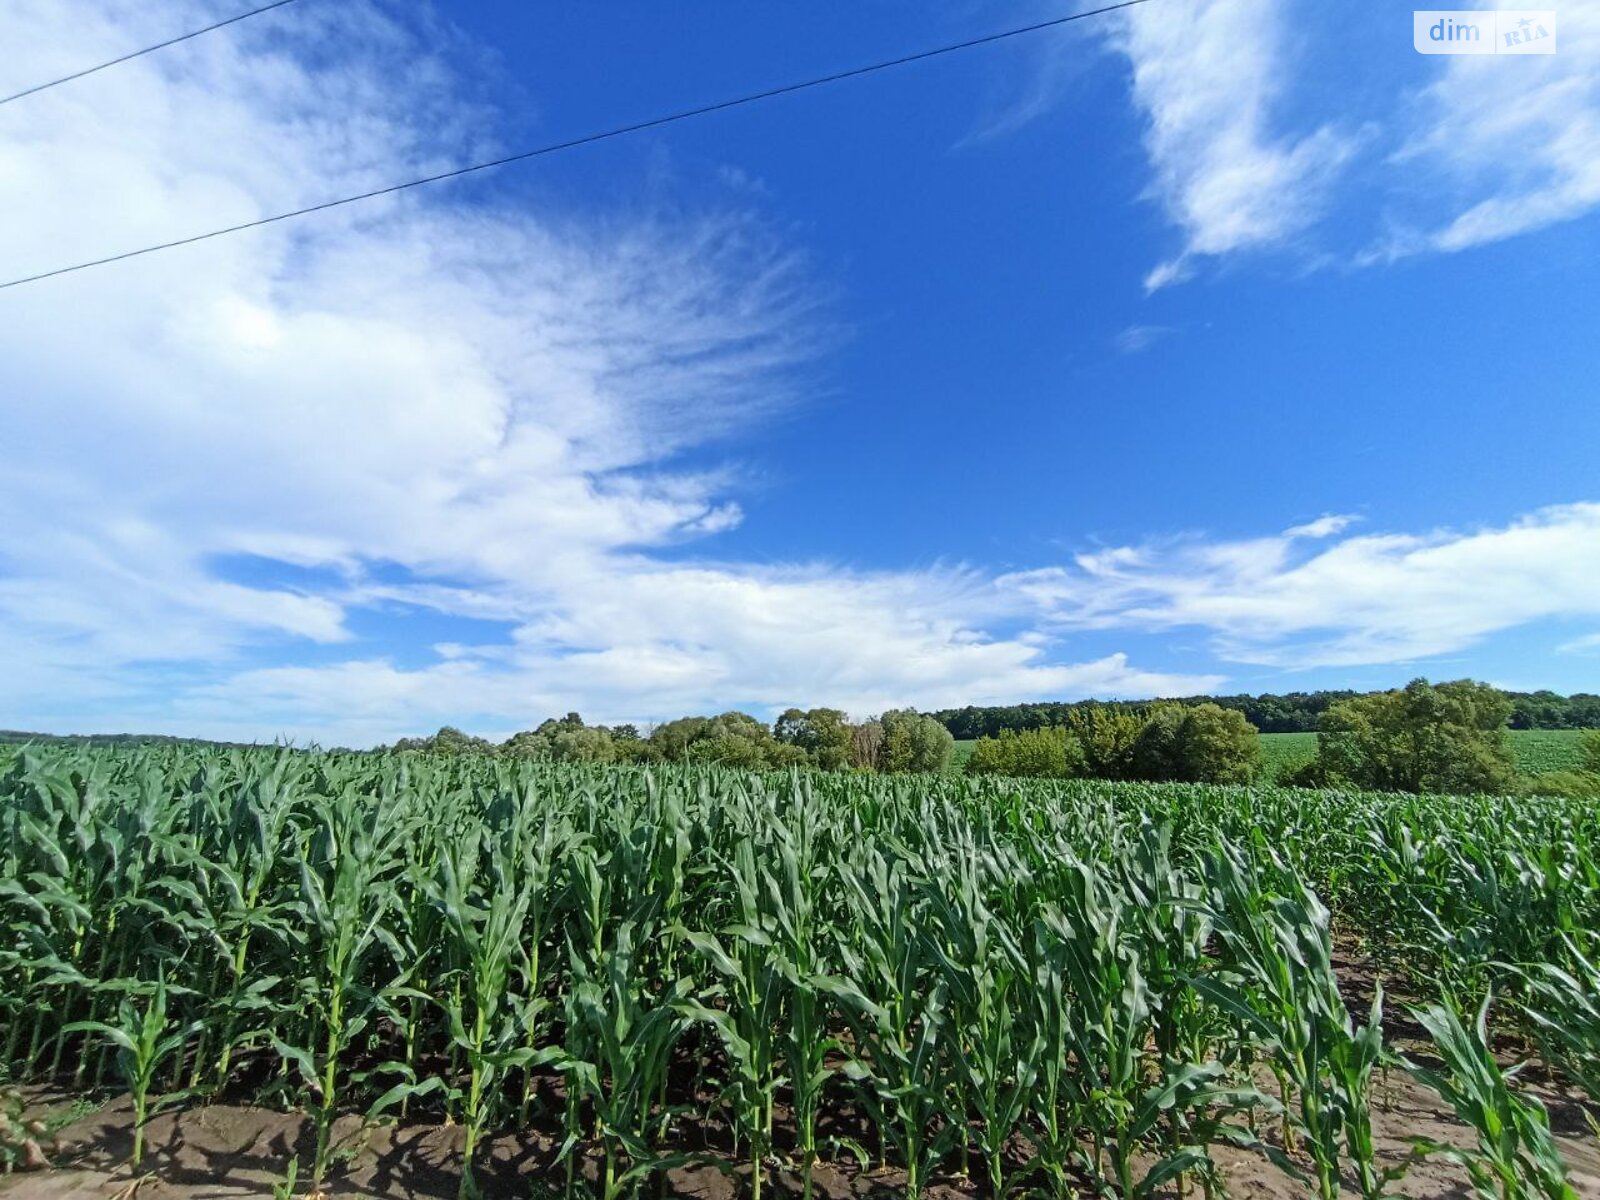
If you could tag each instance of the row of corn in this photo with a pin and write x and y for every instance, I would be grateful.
(1039, 985)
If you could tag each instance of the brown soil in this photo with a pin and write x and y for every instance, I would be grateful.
(222, 1151)
(227, 1150)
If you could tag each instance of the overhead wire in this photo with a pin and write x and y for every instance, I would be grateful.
(132, 54)
(582, 140)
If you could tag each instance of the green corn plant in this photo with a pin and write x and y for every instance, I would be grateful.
(1515, 1157)
(984, 972)
(1563, 1005)
(892, 1000)
(751, 988)
(1107, 1029)
(488, 1022)
(241, 871)
(1276, 981)
(283, 1189)
(1171, 929)
(144, 1039)
(797, 881)
(935, 935)
(619, 1047)
(346, 891)
(1053, 1108)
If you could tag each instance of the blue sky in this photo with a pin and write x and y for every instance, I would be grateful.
(1213, 345)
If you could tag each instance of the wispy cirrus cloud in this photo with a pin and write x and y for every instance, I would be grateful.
(1457, 151)
(1207, 74)
(1363, 599)
(425, 405)
(1589, 643)
(1505, 145)
(1322, 527)
(1137, 338)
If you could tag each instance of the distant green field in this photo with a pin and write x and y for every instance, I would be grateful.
(1536, 750)
(1541, 750)
(1283, 752)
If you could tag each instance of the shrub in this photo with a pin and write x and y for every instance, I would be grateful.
(1106, 736)
(1421, 738)
(734, 739)
(913, 742)
(1051, 753)
(1201, 744)
(565, 740)
(1568, 785)
(1589, 752)
(823, 736)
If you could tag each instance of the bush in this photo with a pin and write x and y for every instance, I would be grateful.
(1051, 753)
(1310, 774)
(1568, 785)
(734, 739)
(913, 742)
(1589, 753)
(636, 750)
(1421, 738)
(823, 736)
(566, 739)
(449, 740)
(1106, 736)
(1203, 744)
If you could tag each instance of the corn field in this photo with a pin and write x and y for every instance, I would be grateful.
(1042, 986)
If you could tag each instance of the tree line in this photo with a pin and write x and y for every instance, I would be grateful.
(1444, 738)
(1289, 712)
(1448, 738)
(901, 740)
(1162, 743)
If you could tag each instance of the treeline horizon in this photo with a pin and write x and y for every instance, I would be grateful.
(1269, 712)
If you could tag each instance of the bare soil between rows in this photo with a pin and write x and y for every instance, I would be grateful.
(221, 1151)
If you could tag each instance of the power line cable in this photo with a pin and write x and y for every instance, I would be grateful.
(182, 37)
(573, 143)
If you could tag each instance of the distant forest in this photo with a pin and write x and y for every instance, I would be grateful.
(20, 737)
(1292, 712)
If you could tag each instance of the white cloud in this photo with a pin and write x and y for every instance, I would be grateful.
(1137, 338)
(1249, 153)
(1513, 143)
(1322, 527)
(1588, 644)
(1207, 74)
(1374, 598)
(474, 401)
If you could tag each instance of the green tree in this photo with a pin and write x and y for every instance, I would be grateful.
(1107, 736)
(674, 738)
(733, 739)
(913, 742)
(1205, 743)
(565, 740)
(449, 740)
(1051, 753)
(1420, 738)
(822, 734)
